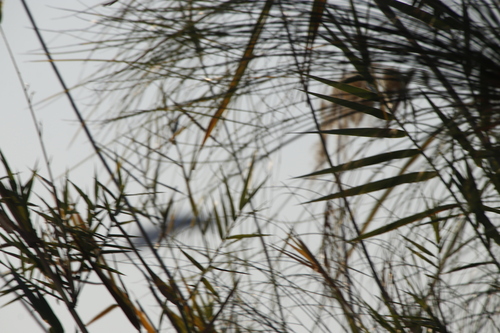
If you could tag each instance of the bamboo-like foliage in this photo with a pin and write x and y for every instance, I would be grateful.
(397, 228)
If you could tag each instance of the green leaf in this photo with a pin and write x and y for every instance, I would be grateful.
(381, 319)
(246, 194)
(381, 184)
(39, 303)
(165, 289)
(315, 21)
(230, 199)
(420, 247)
(359, 92)
(402, 222)
(193, 261)
(377, 159)
(218, 222)
(209, 286)
(421, 256)
(423, 251)
(241, 236)
(476, 264)
(365, 132)
(250, 195)
(355, 106)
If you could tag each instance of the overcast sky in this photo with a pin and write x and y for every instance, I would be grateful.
(18, 139)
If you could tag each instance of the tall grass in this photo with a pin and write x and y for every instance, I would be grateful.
(395, 229)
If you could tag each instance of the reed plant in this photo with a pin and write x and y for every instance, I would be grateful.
(388, 109)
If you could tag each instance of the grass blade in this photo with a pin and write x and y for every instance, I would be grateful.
(377, 113)
(388, 133)
(377, 159)
(356, 91)
(404, 221)
(380, 185)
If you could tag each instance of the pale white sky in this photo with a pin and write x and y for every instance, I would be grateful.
(18, 140)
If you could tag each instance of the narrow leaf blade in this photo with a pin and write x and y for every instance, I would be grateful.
(405, 221)
(193, 261)
(377, 113)
(380, 185)
(356, 91)
(372, 160)
(241, 236)
(387, 133)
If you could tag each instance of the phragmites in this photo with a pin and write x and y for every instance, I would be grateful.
(389, 83)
